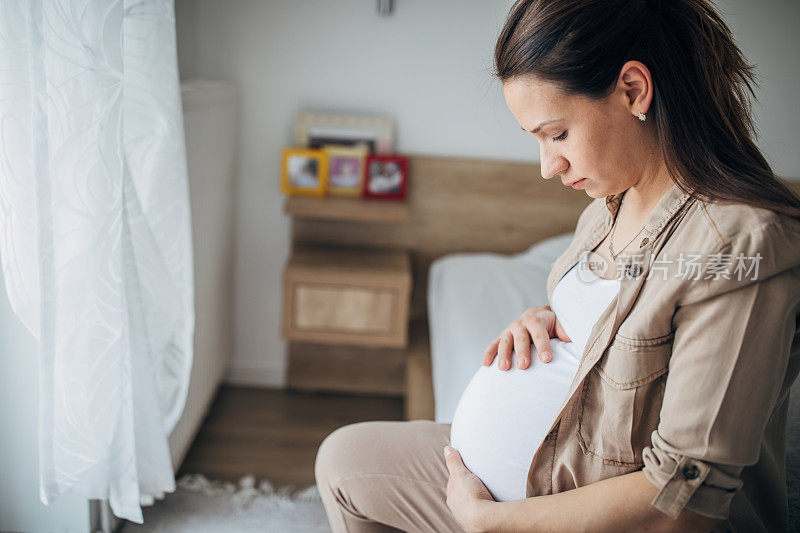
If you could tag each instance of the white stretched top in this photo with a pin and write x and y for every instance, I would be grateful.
(578, 300)
(503, 415)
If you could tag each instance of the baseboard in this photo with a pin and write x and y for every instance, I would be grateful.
(271, 377)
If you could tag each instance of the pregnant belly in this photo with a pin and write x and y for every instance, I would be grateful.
(503, 416)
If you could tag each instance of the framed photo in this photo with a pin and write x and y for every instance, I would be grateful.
(315, 129)
(345, 170)
(323, 142)
(386, 177)
(304, 171)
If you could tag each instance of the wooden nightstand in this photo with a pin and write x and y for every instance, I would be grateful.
(346, 307)
(353, 297)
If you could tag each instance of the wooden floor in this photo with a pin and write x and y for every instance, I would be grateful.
(275, 434)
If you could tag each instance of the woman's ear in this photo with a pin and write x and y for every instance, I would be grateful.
(636, 86)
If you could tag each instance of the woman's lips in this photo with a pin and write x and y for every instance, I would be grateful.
(579, 184)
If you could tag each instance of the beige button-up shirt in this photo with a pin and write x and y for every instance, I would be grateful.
(686, 374)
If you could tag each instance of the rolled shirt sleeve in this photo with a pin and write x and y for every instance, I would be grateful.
(685, 482)
(726, 373)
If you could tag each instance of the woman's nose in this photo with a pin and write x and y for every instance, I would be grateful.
(553, 165)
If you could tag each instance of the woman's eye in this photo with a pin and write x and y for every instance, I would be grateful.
(561, 137)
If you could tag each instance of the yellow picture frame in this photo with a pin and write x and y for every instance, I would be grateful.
(304, 172)
(346, 169)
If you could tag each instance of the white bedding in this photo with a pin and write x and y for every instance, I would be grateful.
(471, 298)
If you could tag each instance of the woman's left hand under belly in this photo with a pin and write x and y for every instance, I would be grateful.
(467, 496)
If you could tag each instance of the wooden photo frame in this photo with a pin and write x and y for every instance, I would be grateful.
(346, 170)
(386, 176)
(315, 129)
(304, 171)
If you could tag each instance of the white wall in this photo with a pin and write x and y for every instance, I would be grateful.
(427, 66)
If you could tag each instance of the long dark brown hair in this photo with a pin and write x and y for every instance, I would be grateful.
(701, 84)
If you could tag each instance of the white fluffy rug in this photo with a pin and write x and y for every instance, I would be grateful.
(199, 505)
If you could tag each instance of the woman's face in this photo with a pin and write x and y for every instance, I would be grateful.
(602, 141)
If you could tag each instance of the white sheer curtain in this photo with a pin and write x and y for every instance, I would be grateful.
(95, 237)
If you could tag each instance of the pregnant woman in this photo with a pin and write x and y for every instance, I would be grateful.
(652, 392)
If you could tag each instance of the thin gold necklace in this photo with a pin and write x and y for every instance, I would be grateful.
(611, 237)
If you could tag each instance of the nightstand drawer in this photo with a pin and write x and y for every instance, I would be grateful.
(347, 297)
(346, 309)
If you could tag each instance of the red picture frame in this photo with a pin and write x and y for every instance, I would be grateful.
(385, 176)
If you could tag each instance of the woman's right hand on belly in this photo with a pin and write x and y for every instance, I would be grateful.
(537, 325)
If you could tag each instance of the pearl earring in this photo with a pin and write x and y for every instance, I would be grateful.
(642, 116)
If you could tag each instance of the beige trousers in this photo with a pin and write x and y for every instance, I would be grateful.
(386, 476)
